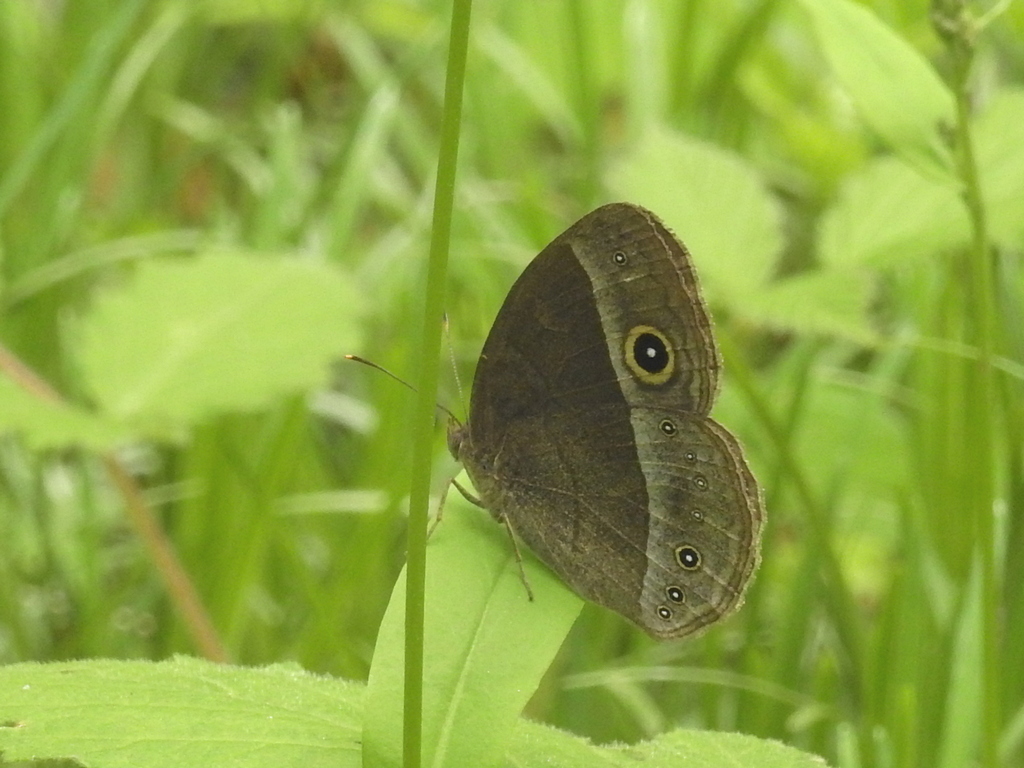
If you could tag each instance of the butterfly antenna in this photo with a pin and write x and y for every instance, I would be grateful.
(455, 368)
(403, 382)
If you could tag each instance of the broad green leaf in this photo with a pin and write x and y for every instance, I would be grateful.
(536, 745)
(894, 88)
(222, 331)
(52, 425)
(724, 750)
(187, 713)
(819, 302)
(1000, 157)
(184, 712)
(715, 203)
(888, 214)
(486, 646)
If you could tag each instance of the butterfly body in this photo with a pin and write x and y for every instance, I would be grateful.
(589, 430)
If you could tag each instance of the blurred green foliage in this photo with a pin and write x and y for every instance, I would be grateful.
(810, 154)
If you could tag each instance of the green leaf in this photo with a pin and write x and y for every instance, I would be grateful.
(1000, 156)
(819, 302)
(486, 646)
(537, 745)
(717, 205)
(184, 712)
(187, 713)
(723, 750)
(222, 331)
(894, 88)
(45, 424)
(888, 214)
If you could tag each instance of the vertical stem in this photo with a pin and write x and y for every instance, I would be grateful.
(587, 109)
(430, 353)
(958, 27)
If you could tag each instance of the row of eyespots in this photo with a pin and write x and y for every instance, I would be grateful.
(650, 356)
(687, 556)
(689, 559)
(669, 428)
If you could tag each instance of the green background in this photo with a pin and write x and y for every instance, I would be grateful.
(203, 205)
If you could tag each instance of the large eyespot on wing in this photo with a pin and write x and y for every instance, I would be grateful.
(655, 320)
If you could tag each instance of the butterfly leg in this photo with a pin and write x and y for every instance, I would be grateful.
(519, 557)
(444, 497)
(504, 521)
(467, 495)
(440, 509)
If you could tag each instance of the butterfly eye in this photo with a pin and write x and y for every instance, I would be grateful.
(697, 515)
(688, 557)
(701, 482)
(664, 612)
(690, 456)
(668, 428)
(675, 594)
(620, 258)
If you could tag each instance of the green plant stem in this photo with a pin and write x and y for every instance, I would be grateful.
(587, 107)
(959, 28)
(430, 353)
(980, 328)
